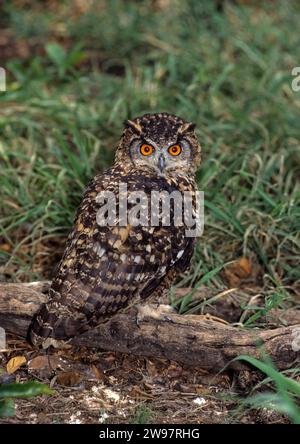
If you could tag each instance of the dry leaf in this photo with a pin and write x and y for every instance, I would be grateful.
(97, 372)
(69, 379)
(15, 363)
(6, 247)
(43, 361)
(237, 272)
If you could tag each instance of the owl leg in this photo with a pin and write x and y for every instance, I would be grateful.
(153, 311)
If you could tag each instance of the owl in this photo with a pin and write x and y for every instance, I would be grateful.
(107, 268)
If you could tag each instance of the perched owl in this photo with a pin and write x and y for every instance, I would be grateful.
(107, 268)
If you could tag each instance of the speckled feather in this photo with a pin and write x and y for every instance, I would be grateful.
(106, 269)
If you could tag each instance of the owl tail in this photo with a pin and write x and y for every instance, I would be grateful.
(50, 326)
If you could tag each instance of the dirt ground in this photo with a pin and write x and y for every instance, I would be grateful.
(106, 388)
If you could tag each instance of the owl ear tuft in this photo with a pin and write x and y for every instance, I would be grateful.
(187, 127)
(136, 127)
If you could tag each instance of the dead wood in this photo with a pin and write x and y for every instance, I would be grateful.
(195, 340)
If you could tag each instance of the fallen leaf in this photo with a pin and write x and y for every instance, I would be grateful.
(237, 272)
(69, 379)
(97, 372)
(6, 247)
(43, 361)
(15, 363)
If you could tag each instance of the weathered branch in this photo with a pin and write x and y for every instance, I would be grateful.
(191, 339)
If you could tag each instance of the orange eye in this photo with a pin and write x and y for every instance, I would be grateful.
(146, 150)
(174, 150)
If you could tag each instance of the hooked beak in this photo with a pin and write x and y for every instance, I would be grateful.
(161, 163)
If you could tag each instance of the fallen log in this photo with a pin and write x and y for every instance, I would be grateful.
(195, 340)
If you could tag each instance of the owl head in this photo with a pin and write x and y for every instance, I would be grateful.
(163, 143)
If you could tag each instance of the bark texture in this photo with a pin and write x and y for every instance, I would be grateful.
(196, 340)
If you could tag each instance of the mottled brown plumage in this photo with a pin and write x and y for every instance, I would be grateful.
(106, 269)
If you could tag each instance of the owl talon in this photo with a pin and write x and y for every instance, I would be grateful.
(153, 311)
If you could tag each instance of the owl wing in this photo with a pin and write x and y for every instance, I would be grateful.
(105, 268)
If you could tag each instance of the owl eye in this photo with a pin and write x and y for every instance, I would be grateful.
(174, 150)
(146, 150)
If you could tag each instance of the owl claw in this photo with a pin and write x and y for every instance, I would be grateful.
(158, 312)
(55, 344)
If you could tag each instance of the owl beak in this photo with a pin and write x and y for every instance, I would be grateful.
(161, 162)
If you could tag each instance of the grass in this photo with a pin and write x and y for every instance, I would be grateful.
(284, 399)
(142, 415)
(74, 75)
(9, 392)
